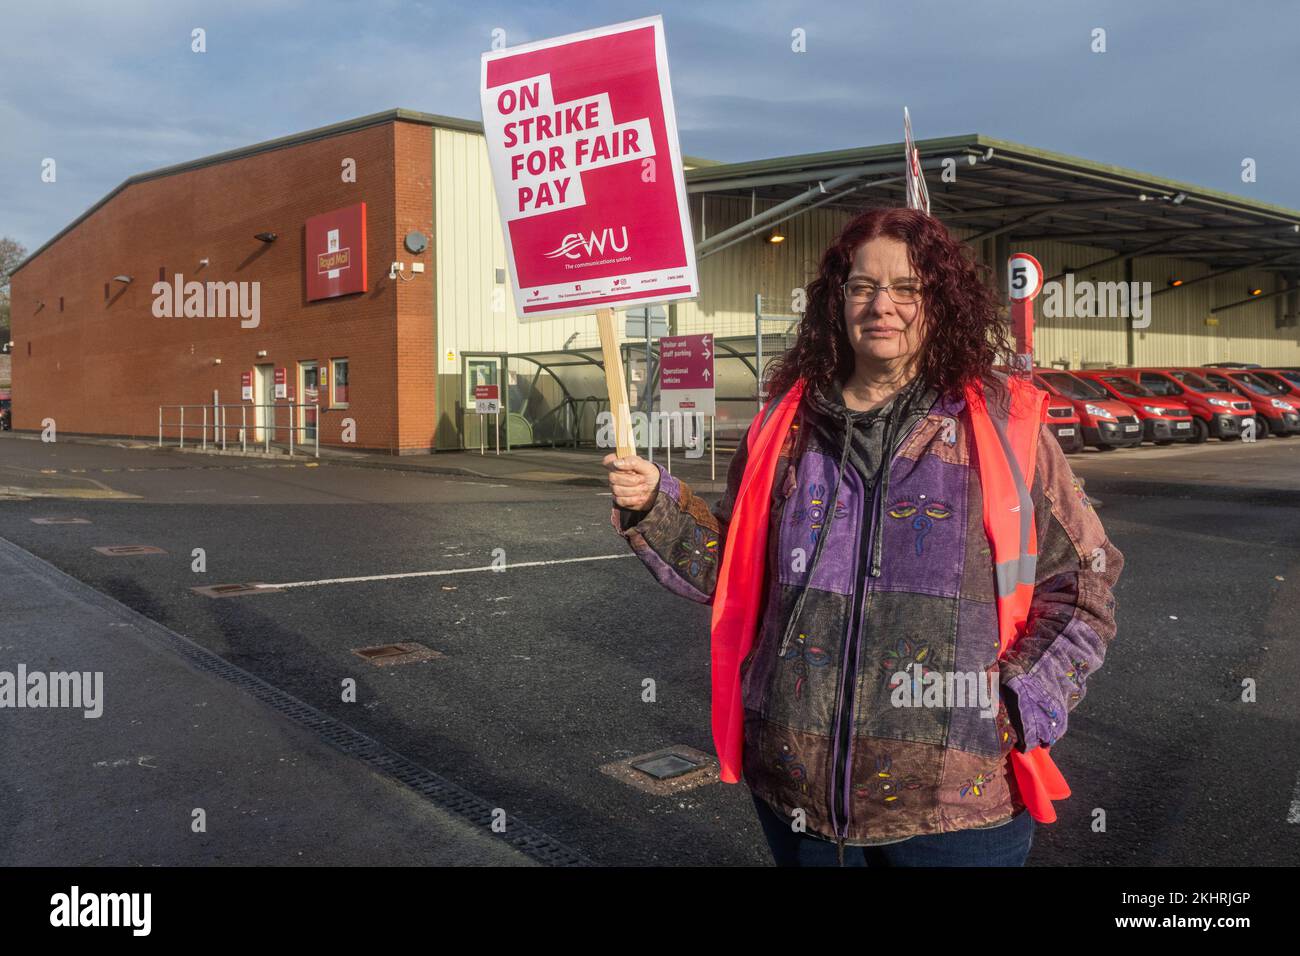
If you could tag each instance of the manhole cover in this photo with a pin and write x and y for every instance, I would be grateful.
(666, 767)
(237, 590)
(388, 650)
(60, 521)
(665, 772)
(127, 550)
(405, 653)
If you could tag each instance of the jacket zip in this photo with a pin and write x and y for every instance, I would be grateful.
(840, 791)
(843, 739)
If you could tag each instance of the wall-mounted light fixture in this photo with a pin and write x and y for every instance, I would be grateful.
(1254, 291)
(261, 353)
(1174, 281)
(123, 278)
(776, 236)
(265, 237)
(216, 361)
(203, 263)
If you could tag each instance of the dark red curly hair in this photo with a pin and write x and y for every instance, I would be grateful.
(965, 335)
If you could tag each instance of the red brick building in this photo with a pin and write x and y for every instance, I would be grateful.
(92, 352)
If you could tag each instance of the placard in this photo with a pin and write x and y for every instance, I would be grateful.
(582, 141)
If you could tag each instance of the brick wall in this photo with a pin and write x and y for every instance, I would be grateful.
(417, 351)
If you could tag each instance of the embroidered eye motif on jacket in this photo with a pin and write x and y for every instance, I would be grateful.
(789, 764)
(923, 512)
(884, 787)
(814, 512)
(804, 655)
(696, 555)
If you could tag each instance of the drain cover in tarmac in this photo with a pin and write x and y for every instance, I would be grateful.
(405, 653)
(667, 771)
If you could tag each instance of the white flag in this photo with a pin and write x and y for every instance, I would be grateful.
(918, 197)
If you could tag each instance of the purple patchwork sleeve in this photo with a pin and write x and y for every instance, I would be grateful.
(1072, 617)
(680, 540)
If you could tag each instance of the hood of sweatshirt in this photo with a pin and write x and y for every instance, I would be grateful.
(864, 432)
(867, 441)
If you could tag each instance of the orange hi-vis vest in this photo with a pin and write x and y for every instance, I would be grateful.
(1006, 447)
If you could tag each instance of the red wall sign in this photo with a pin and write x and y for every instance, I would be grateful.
(281, 383)
(246, 386)
(582, 140)
(336, 253)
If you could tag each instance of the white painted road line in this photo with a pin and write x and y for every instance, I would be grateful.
(432, 574)
(1293, 815)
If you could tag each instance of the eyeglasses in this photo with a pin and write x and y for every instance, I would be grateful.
(861, 292)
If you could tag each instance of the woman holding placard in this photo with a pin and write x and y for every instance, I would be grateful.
(909, 586)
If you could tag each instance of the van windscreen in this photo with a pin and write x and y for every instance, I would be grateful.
(1193, 381)
(1071, 387)
(1126, 386)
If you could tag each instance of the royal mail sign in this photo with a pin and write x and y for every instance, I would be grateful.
(336, 253)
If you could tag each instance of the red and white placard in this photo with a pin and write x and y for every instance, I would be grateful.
(582, 141)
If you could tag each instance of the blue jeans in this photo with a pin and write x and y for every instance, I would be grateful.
(1007, 845)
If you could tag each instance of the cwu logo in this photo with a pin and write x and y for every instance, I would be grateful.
(575, 245)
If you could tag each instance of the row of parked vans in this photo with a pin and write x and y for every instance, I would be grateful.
(1123, 407)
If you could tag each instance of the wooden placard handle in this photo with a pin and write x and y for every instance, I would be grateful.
(615, 383)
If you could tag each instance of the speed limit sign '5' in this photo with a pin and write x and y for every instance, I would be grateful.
(1024, 276)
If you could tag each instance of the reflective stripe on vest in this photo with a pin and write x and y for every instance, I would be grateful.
(1007, 448)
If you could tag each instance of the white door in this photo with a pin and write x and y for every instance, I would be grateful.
(309, 389)
(263, 389)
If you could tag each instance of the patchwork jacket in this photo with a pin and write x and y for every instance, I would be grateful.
(927, 753)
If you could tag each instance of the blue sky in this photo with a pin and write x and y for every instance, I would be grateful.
(1185, 90)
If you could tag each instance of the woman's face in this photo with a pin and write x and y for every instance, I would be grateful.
(881, 331)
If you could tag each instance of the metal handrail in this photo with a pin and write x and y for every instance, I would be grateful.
(220, 427)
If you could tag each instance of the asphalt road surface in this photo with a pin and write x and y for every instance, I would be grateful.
(540, 680)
